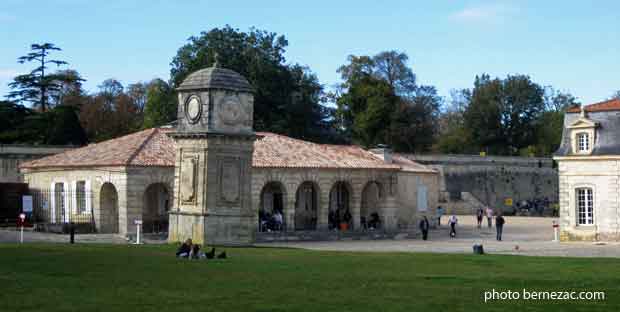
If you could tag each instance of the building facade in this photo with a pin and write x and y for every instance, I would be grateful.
(589, 173)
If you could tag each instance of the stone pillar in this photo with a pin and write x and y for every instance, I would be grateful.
(214, 143)
(356, 207)
(323, 208)
(289, 210)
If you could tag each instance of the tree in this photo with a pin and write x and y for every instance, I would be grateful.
(502, 113)
(12, 117)
(392, 67)
(37, 86)
(161, 104)
(259, 56)
(378, 102)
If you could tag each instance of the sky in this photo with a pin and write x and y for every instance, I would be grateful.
(571, 45)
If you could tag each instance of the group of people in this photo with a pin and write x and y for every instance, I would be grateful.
(453, 221)
(189, 250)
(270, 222)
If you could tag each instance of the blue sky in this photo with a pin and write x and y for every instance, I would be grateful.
(571, 45)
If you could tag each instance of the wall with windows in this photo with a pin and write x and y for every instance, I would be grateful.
(60, 195)
(589, 197)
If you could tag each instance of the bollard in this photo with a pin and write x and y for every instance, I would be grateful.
(72, 233)
(556, 231)
(22, 220)
(138, 224)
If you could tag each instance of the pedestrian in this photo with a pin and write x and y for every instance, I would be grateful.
(440, 213)
(424, 225)
(479, 215)
(452, 223)
(489, 216)
(499, 226)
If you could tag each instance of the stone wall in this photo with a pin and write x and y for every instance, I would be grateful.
(492, 179)
(13, 155)
(603, 177)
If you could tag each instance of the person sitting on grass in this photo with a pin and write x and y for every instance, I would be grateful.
(195, 253)
(185, 249)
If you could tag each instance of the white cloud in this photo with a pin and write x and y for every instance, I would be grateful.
(484, 13)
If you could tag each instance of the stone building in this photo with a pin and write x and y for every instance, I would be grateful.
(12, 155)
(132, 177)
(589, 173)
(215, 180)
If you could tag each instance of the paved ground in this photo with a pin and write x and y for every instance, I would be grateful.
(532, 236)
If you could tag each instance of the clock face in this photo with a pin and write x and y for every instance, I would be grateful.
(193, 108)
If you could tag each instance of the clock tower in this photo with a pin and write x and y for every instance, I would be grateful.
(214, 142)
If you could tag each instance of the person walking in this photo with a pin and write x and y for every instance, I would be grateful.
(440, 213)
(452, 223)
(499, 226)
(479, 215)
(424, 225)
(489, 216)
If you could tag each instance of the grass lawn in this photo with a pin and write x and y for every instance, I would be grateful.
(37, 277)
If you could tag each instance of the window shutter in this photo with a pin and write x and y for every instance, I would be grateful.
(52, 206)
(88, 195)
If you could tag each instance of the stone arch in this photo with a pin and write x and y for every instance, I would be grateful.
(373, 197)
(340, 198)
(307, 206)
(272, 200)
(108, 206)
(155, 209)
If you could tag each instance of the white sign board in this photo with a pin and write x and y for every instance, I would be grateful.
(137, 222)
(27, 203)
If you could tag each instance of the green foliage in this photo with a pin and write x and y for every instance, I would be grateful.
(379, 103)
(161, 104)
(37, 87)
(12, 117)
(287, 98)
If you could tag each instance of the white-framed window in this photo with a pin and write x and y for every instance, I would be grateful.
(583, 142)
(585, 206)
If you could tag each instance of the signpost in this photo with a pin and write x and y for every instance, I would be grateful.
(138, 224)
(556, 231)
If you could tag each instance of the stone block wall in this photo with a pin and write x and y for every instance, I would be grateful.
(11, 156)
(492, 179)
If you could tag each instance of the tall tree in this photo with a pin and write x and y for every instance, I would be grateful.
(378, 102)
(259, 56)
(37, 86)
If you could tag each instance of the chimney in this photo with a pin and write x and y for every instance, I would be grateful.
(383, 152)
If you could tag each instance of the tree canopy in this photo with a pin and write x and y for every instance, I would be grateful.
(288, 97)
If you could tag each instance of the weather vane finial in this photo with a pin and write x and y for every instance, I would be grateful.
(217, 59)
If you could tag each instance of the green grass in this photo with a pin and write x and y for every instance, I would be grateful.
(149, 278)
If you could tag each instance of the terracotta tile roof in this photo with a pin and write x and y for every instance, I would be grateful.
(149, 147)
(153, 147)
(278, 151)
(609, 105)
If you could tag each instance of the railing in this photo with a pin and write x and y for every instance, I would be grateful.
(54, 210)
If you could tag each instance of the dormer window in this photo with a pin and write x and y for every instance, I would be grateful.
(583, 135)
(583, 142)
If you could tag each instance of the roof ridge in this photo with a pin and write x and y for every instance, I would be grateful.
(141, 147)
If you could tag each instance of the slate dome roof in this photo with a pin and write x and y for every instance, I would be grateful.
(216, 78)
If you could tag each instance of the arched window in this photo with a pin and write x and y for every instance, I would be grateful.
(585, 206)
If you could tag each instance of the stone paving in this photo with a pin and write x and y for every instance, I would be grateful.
(532, 235)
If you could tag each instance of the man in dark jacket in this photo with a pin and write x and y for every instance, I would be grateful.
(499, 226)
(424, 228)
